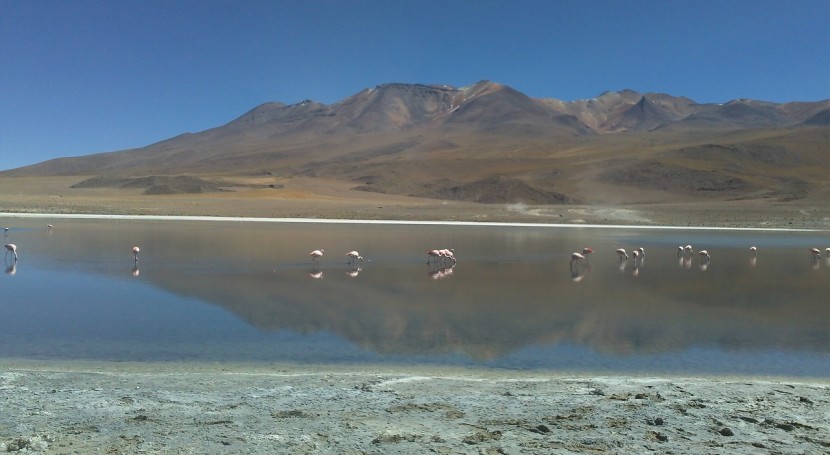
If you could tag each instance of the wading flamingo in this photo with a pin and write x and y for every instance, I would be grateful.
(815, 252)
(448, 253)
(753, 259)
(317, 254)
(354, 256)
(11, 248)
(135, 253)
(704, 254)
(623, 255)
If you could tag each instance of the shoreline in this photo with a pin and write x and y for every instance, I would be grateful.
(392, 222)
(85, 407)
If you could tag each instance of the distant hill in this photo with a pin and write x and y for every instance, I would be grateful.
(490, 143)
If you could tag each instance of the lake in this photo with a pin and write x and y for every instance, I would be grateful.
(233, 291)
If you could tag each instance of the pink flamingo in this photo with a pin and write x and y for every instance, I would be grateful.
(577, 257)
(11, 248)
(623, 255)
(705, 254)
(433, 254)
(317, 254)
(448, 253)
(635, 253)
(135, 253)
(354, 256)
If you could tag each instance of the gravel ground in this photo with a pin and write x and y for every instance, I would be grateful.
(85, 407)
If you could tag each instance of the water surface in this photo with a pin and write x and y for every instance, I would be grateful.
(240, 291)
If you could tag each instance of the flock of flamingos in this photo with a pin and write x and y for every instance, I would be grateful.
(444, 259)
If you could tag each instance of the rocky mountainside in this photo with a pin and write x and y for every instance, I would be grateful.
(488, 142)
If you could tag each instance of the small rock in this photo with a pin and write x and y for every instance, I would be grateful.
(805, 400)
(785, 426)
(726, 431)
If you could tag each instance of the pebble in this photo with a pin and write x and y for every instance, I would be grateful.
(726, 431)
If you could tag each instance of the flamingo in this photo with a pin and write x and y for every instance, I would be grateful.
(642, 252)
(448, 253)
(577, 258)
(680, 251)
(688, 249)
(815, 252)
(753, 249)
(11, 248)
(705, 254)
(636, 254)
(623, 255)
(316, 254)
(354, 256)
(135, 253)
(433, 254)
(754, 259)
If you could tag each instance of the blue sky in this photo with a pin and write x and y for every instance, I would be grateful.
(80, 77)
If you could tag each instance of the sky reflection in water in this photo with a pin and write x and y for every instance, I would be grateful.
(223, 291)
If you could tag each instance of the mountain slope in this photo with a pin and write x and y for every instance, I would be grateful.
(488, 142)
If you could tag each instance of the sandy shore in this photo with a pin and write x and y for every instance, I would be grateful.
(84, 407)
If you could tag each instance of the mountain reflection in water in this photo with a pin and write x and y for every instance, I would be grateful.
(512, 289)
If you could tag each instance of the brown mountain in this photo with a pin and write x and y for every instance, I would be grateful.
(491, 143)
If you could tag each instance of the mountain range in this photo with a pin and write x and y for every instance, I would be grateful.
(490, 143)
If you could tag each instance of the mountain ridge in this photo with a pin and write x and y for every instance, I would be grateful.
(491, 139)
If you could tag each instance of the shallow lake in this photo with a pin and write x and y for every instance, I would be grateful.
(249, 292)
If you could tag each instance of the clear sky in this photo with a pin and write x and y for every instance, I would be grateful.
(86, 76)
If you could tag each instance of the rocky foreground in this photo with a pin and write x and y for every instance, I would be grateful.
(68, 408)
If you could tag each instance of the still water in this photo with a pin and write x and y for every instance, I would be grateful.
(249, 292)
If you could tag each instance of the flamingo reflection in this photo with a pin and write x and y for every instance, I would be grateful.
(317, 274)
(136, 272)
(12, 269)
(354, 271)
(441, 273)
